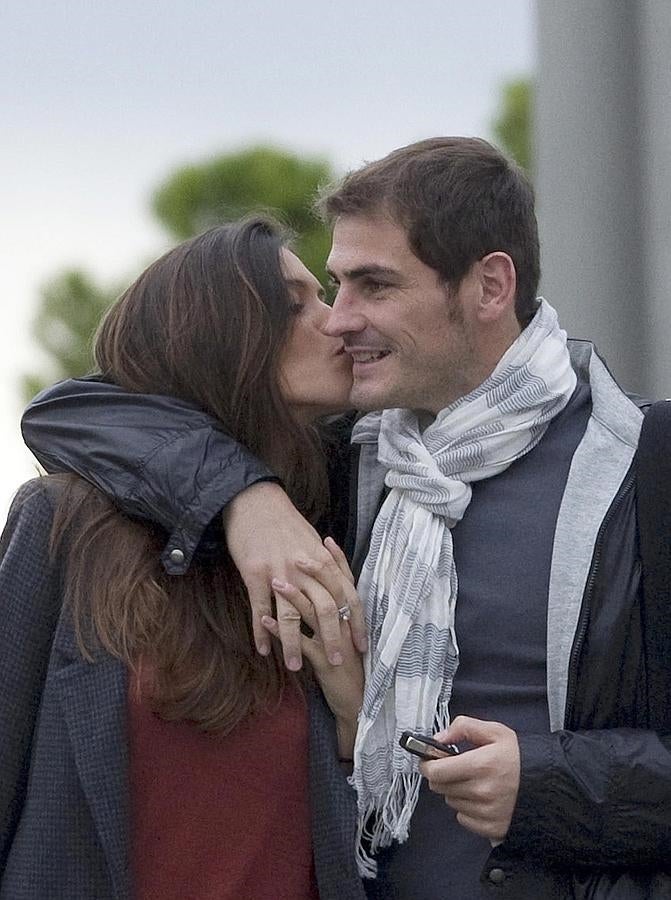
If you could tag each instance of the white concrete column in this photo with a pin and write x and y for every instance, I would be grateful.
(603, 177)
(655, 136)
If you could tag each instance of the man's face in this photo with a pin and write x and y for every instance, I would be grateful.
(408, 335)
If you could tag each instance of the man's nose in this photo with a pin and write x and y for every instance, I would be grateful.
(343, 317)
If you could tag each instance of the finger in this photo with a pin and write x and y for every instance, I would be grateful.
(336, 592)
(487, 828)
(289, 627)
(357, 617)
(271, 625)
(445, 773)
(327, 624)
(297, 599)
(311, 648)
(324, 569)
(474, 731)
(339, 558)
(471, 824)
(261, 605)
(461, 796)
(358, 627)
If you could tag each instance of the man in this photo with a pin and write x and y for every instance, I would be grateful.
(500, 569)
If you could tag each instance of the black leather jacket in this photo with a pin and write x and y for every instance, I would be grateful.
(593, 816)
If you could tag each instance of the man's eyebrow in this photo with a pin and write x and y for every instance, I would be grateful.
(367, 271)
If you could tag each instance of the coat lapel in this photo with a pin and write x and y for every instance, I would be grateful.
(93, 697)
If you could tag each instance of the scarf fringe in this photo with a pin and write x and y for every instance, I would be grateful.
(385, 820)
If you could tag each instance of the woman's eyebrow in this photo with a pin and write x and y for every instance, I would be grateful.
(296, 284)
(302, 284)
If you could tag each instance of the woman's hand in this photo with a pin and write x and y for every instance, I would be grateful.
(265, 534)
(342, 684)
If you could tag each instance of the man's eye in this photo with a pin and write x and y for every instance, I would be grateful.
(296, 308)
(375, 287)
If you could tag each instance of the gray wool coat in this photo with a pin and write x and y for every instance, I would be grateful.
(63, 747)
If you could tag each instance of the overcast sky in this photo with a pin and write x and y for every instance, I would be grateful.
(101, 100)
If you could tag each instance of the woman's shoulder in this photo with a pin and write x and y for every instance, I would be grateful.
(39, 496)
(33, 508)
(34, 498)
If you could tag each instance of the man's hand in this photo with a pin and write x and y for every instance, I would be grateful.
(481, 784)
(268, 538)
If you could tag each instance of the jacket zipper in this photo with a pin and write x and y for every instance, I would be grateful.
(583, 619)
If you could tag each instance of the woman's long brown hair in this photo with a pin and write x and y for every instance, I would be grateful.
(205, 323)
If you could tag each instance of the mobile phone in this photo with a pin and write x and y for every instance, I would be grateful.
(425, 747)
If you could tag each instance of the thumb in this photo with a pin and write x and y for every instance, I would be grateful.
(477, 732)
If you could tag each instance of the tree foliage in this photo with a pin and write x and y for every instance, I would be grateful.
(71, 305)
(226, 187)
(513, 126)
(190, 200)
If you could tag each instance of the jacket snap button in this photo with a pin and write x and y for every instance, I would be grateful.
(497, 876)
(176, 556)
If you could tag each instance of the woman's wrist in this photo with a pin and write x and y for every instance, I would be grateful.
(346, 733)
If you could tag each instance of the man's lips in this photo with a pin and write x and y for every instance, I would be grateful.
(364, 355)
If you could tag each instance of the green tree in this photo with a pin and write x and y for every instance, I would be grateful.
(71, 306)
(187, 202)
(226, 187)
(513, 125)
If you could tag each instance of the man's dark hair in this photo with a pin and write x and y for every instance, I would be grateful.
(458, 199)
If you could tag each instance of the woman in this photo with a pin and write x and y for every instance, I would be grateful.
(149, 750)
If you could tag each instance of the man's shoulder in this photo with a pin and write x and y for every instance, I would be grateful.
(619, 413)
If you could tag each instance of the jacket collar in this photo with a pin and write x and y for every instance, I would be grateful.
(93, 698)
(599, 466)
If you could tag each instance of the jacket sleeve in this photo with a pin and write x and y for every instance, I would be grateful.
(594, 799)
(158, 458)
(30, 603)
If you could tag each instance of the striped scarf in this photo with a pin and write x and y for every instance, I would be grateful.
(409, 580)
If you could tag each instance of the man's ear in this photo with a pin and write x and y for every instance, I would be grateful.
(498, 285)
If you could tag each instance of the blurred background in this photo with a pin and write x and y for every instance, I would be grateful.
(129, 127)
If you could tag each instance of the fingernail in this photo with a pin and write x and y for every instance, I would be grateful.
(279, 585)
(293, 663)
(264, 649)
(362, 644)
(336, 659)
(302, 562)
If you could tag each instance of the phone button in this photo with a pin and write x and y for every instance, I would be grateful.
(497, 876)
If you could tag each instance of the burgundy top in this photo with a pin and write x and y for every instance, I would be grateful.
(216, 817)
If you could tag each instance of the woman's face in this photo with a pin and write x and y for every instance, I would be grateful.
(316, 375)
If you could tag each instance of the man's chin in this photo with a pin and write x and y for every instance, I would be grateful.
(366, 398)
